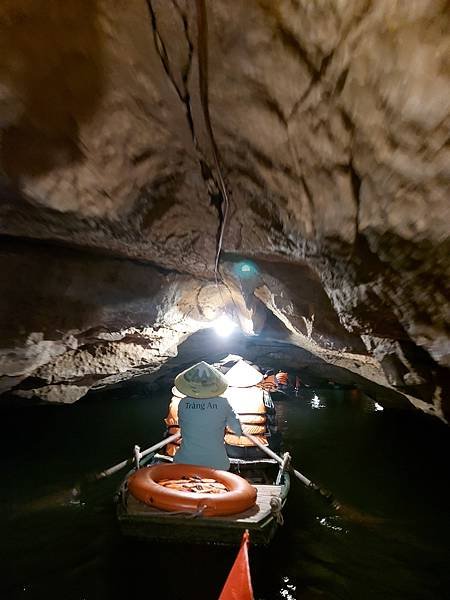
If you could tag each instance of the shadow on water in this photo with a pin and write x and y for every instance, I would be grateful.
(390, 464)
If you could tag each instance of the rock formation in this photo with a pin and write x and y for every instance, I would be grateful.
(331, 121)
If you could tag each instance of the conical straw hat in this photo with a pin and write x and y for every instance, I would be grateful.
(201, 381)
(243, 375)
(177, 393)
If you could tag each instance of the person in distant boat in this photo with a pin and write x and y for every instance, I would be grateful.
(269, 383)
(203, 414)
(282, 379)
(248, 401)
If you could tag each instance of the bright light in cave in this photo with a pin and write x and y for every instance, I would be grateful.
(317, 403)
(246, 269)
(223, 326)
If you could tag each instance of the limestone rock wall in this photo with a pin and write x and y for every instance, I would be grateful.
(331, 119)
(72, 321)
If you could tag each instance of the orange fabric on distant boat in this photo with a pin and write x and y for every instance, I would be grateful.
(172, 416)
(269, 383)
(171, 449)
(250, 428)
(248, 403)
(238, 585)
(282, 378)
(244, 442)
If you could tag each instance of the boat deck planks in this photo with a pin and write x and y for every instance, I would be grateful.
(256, 514)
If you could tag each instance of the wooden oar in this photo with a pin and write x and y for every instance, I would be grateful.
(71, 496)
(347, 512)
(278, 391)
(310, 484)
(130, 461)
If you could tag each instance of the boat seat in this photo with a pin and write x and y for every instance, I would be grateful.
(233, 461)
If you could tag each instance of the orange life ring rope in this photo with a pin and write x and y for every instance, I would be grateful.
(237, 497)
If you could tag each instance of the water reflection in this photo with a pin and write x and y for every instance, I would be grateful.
(317, 403)
(288, 589)
(332, 524)
(345, 397)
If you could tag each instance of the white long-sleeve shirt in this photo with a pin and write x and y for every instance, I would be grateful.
(202, 424)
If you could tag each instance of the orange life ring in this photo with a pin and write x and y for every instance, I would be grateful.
(144, 486)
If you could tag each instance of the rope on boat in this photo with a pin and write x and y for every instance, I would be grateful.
(195, 485)
(276, 506)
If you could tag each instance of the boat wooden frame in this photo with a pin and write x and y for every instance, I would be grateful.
(143, 522)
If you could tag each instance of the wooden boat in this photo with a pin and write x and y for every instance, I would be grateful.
(272, 482)
(141, 519)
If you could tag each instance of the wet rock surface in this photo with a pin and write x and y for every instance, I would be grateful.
(77, 320)
(331, 120)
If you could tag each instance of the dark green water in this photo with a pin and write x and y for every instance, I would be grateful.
(390, 465)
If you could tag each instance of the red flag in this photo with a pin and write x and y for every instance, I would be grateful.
(238, 585)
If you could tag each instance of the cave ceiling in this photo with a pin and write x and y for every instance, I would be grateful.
(331, 122)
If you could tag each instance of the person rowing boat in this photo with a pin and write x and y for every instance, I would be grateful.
(203, 414)
(253, 406)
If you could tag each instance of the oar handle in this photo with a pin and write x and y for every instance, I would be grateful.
(130, 461)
